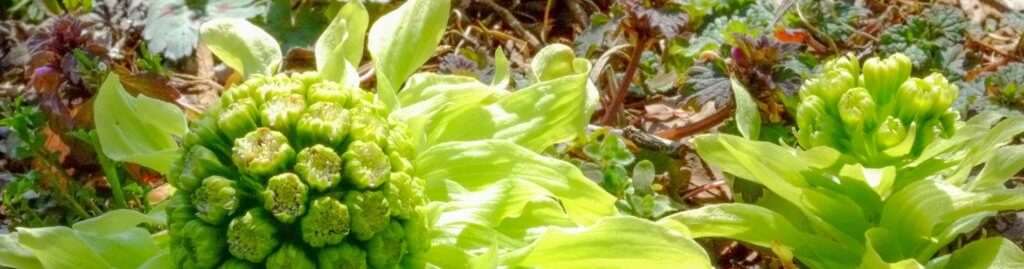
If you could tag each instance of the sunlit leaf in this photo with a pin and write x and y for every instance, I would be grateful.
(748, 119)
(137, 129)
(615, 242)
(404, 39)
(242, 46)
(478, 164)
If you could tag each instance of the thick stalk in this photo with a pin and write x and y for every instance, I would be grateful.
(113, 179)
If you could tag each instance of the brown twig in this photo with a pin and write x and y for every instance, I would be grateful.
(696, 127)
(513, 22)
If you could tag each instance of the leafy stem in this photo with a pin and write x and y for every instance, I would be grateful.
(61, 189)
(109, 166)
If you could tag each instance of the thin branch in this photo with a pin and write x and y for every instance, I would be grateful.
(513, 22)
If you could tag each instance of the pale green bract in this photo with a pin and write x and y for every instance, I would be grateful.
(137, 129)
(494, 201)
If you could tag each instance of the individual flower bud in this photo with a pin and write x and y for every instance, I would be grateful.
(323, 123)
(399, 163)
(188, 172)
(252, 236)
(944, 93)
(215, 200)
(914, 100)
(343, 256)
(832, 85)
(278, 85)
(553, 62)
(204, 132)
(327, 222)
(239, 118)
(368, 126)
(890, 133)
(281, 113)
(319, 166)
(285, 197)
(739, 58)
(234, 263)
(366, 166)
(401, 193)
(903, 67)
(307, 78)
(368, 211)
(847, 62)
(399, 139)
(179, 211)
(417, 233)
(386, 248)
(290, 256)
(262, 153)
(856, 108)
(329, 92)
(877, 76)
(809, 112)
(200, 246)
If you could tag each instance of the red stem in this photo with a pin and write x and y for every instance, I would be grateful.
(619, 97)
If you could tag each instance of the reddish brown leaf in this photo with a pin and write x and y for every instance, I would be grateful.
(151, 85)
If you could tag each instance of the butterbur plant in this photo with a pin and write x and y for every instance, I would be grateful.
(307, 170)
(835, 205)
(876, 113)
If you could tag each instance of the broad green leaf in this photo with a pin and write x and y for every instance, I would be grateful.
(404, 39)
(535, 117)
(14, 255)
(500, 216)
(340, 47)
(479, 164)
(1001, 166)
(786, 172)
(431, 96)
(995, 252)
(928, 214)
(163, 260)
(502, 73)
(760, 226)
(60, 247)
(614, 242)
(242, 46)
(979, 150)
(115, 221)
(748, 120)
(138, 129)
(111, 240)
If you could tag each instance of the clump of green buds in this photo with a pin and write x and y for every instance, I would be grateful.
(877, 112)
(298, 172)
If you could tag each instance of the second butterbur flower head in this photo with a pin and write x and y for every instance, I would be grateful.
(877, 112)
